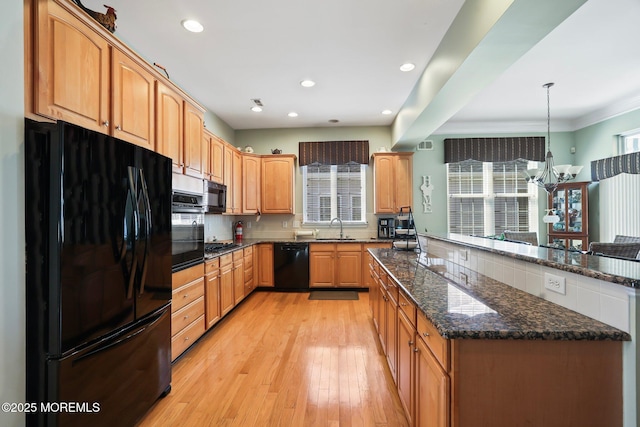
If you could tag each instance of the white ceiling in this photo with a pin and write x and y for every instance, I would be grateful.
(353, 50)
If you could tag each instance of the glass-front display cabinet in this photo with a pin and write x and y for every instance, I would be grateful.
(570, 203)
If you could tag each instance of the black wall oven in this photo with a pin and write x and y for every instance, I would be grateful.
(187, 230)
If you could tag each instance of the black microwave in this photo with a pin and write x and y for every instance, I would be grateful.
(215, 197)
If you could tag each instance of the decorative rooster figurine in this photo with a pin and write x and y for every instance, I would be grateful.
(107, 20)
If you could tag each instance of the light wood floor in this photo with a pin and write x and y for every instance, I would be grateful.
(281, 360)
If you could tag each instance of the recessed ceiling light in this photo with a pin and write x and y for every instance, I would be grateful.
(407, 67)
(256, 109)
(386, 112)
(307, 83)
(292, 114)
(192, 25)
(334, 121)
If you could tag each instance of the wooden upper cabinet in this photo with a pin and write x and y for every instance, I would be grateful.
(71, 74)
(251, 183)
(216, 163)
(393, 181)
(133, 101)
(193, 150)
(237, 182)
(278, 183)
(169, 125)
(227, 168)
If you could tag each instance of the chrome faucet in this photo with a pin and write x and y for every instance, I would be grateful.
(340, 225)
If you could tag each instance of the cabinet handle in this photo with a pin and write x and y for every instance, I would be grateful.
(425, 334)
(416, 350)
(105, 123)
(404, 304)
(410, 343)
(118, 127)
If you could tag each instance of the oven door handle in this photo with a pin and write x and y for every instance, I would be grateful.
(194, 209)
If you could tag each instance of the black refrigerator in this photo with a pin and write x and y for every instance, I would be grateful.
(98, 277)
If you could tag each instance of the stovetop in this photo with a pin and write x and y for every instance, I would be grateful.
(212, 248)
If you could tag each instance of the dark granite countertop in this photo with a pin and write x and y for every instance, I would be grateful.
(622, 272)
(486, 308)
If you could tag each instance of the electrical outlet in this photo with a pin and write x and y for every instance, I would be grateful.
(296, 224)
(284, 224)
(464, 279)
(248, 224)
(555, 283)
(463, 255)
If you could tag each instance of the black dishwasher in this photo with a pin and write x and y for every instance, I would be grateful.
(291, 266)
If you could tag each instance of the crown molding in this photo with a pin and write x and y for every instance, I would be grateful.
(617, 108)
(489, 127)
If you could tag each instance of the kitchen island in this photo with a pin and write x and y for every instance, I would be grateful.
(486, 353)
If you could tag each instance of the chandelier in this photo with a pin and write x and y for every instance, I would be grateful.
(550, 176)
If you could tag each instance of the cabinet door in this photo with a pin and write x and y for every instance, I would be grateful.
(216, 160)
(169, 124)
(212, 295)
(405, 368)
(391, 345)
(383, 303)
(237, 182)
(384, 184)
(226, 289)
(265, 262)
(227, 155)
(133, 101)
(193, 151)
(349, 269)
(432, 390)
(206, 155)
(403, 181)
(277, 184)
(72, 80)
(238, 281)
(321, 269)
(250, 184)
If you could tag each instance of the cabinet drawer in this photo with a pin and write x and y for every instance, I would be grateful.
(187, 314)
(187, 294)
(349, 247)
(237, 255)
(392, 289)
(407, 307)
(212, 266)
(248, 261)
(248, 274)
(438, 345)
(248, 251)
(225, 259)
(322, 247)
(183, 339)
(187, 275)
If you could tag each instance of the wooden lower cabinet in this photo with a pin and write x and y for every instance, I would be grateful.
(187, 308)
(227, 301)
(406, 363)
(212, 292)
(335, 265)
(265, 265)
(249, 282)
(238, 276)
(499, 383)
(432, 390)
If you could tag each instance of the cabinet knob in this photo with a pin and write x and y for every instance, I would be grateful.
(106, 123)
(410, 343)
(425, 334)
(186, 317)
(416, 350)
(186, 338)
(118, 127)
(185, 295)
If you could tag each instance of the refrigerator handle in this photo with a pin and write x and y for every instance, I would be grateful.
(136, 230)
(148, 230)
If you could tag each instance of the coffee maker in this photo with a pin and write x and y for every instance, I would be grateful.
(386, 228)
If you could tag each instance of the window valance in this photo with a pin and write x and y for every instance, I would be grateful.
(494, 149)
(333, 152)
(612, 166)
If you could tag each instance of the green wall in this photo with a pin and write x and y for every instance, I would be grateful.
(12, 281)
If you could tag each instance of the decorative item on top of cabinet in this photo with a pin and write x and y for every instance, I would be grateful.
(393, 181)
(107, 20)
(570, 202)
(278, 184)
